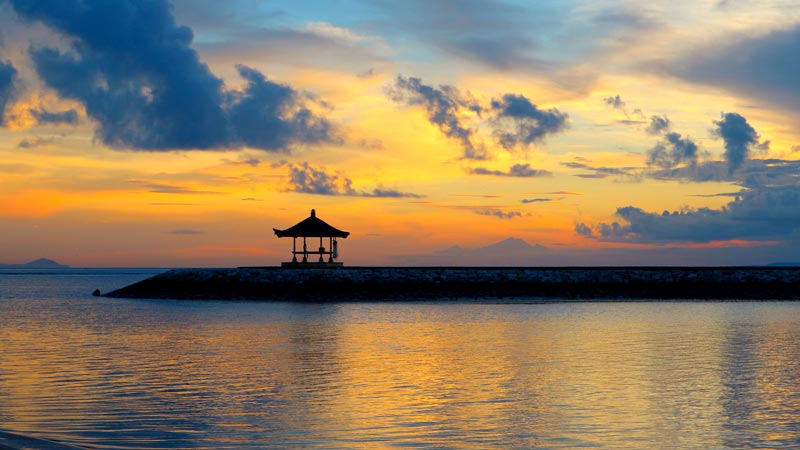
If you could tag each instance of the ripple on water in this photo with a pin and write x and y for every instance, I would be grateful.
(143, 374)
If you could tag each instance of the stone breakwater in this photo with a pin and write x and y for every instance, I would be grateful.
(433, 283)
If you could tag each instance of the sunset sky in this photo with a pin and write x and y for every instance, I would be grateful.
(179, 133)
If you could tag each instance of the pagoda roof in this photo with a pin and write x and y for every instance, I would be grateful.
(311, 227)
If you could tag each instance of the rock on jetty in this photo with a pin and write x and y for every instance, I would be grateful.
(432, 283)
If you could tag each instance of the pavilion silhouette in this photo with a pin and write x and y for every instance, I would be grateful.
(313, 227)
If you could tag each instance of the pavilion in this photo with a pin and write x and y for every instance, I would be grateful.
(313, 227)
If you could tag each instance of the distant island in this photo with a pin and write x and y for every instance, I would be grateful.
(41, 263)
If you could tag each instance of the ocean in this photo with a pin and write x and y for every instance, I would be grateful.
(123, 374)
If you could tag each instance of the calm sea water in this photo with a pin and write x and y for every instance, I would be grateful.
(110, 373)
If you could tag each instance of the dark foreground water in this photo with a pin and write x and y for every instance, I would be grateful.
(111, 373)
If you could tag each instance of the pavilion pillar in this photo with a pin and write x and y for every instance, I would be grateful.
(321, 249)
(305, 251)
(294, 249)
(330, 249)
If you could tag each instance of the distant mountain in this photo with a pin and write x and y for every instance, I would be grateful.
(41, 263)
(513, 252)
(508, 252)
(510, 245)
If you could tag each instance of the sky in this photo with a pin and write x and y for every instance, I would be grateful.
(155, 133)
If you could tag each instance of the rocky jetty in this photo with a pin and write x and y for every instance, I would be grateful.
(432, 283)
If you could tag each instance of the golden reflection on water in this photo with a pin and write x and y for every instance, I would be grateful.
(454, 375)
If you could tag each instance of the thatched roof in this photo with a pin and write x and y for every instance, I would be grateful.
(311, 227)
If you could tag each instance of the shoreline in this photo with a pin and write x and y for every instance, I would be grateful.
(448, 283)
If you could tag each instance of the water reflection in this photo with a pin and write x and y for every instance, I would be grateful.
(138, 374)
(759, 375)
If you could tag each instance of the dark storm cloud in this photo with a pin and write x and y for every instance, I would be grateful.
(135, 72)
(33, 142)
(133, 69)
(515, 121)
(251, 161)
(307, 180)
(519, 123)
(599, 172)
(8, 76)
(658, 125)
(517, 170)
(740, 138)
(766, 209)
(537, 200)
(442, 106)
(384, 192)
(42, 116)
(754, 173)
(615, 102)
(759, 214)
(763, 67)
(269, 115)
(499, 213)
(672, 151)
(702, 172)
(720, 194)
(584, 230)
(630, 122)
